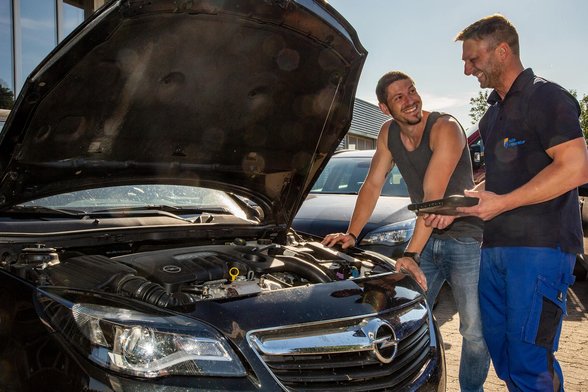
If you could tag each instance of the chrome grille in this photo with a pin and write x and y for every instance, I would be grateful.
(344, 361)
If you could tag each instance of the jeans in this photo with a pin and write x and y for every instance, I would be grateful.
(523, 295)
(457, 261)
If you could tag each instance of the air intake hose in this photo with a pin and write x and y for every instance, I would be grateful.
(138, 287)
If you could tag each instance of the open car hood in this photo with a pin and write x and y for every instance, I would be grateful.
(248, 96)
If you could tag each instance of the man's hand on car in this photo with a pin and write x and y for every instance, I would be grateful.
(345, 239)
(407, 264)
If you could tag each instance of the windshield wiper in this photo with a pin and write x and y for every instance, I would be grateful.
(162, 207)
(45, 212)
(167, 210)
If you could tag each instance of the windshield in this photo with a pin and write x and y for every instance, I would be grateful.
(346, 175)
(134, 196)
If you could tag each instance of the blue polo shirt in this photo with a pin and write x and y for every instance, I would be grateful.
(535, 115)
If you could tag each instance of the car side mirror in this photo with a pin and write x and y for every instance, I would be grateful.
(477, 156)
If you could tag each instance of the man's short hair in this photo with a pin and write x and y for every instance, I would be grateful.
(496, 28)
(385, 81)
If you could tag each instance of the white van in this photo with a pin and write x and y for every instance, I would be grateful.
(3, 116)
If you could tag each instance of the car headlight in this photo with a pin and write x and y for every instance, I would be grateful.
(390, 235)
(138, 343)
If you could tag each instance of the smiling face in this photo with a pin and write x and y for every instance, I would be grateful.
(481, 59)
(403, 102)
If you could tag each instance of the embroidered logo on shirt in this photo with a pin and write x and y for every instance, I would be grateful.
(510, 142)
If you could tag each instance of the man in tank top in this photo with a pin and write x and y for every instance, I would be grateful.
(432, 155)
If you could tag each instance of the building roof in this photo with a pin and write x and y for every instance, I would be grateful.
(367, 119)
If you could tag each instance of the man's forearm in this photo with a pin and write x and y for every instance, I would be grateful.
(364, 206)
(420, 236)
(553, 181)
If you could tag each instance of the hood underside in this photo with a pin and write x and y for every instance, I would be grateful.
(249, 96)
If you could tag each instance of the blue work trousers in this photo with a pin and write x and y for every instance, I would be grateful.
(457, 262)
(523, 295)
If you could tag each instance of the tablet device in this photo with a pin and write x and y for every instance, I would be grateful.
(445, 206)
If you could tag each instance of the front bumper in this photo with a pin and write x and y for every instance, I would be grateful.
(414, 370)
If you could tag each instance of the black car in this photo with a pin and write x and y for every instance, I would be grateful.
(150, 171)
(330, 203)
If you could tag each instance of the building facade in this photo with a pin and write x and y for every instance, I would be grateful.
(30, 29)
(365, 126)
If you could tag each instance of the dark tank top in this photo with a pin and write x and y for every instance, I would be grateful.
(413, 165)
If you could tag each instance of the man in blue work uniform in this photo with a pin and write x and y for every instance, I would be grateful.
(536, 158)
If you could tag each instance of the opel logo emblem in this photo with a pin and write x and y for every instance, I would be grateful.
(172, 269)
(383, 338)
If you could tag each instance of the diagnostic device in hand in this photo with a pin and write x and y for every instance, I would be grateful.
(445, 206)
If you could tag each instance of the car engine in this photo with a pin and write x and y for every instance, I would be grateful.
(177, 277)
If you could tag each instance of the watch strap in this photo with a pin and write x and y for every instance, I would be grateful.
(413, 255)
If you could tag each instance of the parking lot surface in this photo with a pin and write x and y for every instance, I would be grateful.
(573, 345)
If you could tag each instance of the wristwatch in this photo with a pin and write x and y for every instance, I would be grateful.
(352, 236)
(413, 255)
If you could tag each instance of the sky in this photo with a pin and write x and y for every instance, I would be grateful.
(417, 37)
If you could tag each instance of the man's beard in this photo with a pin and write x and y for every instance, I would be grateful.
(410, 121)
(404, 119)
(491, 76)
(415, 122)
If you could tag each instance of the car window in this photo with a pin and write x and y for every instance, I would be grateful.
(346, 175)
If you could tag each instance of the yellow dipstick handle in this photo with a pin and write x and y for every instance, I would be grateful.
(234, 272)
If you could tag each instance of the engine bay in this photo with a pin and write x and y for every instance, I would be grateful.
(171, 278)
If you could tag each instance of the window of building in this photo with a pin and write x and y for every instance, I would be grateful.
(29, 30)
(38, 31)
(355, 142)
(6, 64)
(73, 16)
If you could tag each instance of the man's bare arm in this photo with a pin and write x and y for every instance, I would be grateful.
(447, 144)
(382, 162)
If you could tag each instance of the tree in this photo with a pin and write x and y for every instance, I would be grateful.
(479, 106)
(584, 115)
(6, 98)
(583, 112)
